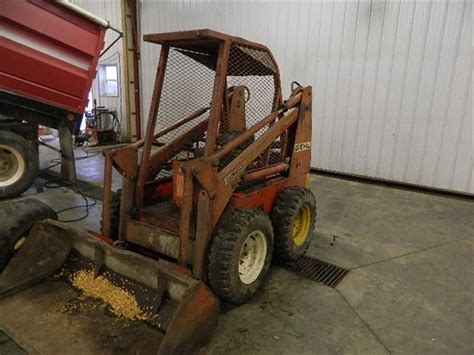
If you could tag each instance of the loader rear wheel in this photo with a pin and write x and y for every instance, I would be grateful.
(293, 216)
(240, 256)
(16, 219)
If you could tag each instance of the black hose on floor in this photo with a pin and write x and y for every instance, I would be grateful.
(57, 183)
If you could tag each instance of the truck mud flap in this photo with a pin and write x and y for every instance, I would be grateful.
(46, 309)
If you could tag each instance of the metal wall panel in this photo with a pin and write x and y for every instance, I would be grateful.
(108, 10)
(392, 79)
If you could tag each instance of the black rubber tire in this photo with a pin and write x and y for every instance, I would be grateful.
(285, 209)
(30, 158)
(16, 219)
(114, 215)
(225, 249)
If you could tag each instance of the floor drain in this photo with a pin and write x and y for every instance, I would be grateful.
(318, 270)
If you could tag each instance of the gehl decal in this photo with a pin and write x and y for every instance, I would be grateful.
(299, 147)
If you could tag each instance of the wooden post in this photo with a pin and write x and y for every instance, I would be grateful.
(131, 87)
(107, 194)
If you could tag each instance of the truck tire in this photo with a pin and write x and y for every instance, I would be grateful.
(18, 164)
(293, 216)
(16, 219)
(240, 256)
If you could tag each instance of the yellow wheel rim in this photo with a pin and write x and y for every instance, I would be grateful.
(301, 225)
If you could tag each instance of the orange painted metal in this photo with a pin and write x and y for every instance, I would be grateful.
(243, 137)
(100, 236)
(203, 235)
(161, 133)
(125, 161)
(204, 186)
(202, 38)
(167, 152)
(178, 183)
(175, 216)
(185, 220)
(151, 124)
(263, 173)
(236, 121)
(301, 152)
(263, 196)
(218, 94)
(293, 101)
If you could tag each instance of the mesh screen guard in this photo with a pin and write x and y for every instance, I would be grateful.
(188, 87)
(255, 70)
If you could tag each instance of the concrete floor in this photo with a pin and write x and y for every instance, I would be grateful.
(89, 170)
(410, 288)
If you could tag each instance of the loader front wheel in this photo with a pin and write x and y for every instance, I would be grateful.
(293, 216)
(240, 256)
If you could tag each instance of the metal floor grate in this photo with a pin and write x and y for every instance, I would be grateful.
(317, 270)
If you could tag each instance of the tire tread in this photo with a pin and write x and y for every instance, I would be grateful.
(16, 218)
(30, 156)
(283, 212)
(223, 248)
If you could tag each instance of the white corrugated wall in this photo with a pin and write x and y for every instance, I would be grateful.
(391, 79)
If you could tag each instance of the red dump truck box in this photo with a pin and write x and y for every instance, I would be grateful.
(49, 51)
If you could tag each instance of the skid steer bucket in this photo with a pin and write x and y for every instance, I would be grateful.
(66, 291)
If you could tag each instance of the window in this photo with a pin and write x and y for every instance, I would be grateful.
(108, 76)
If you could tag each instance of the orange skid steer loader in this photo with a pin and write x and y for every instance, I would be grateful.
(214, 191)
